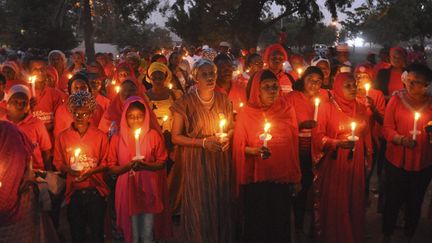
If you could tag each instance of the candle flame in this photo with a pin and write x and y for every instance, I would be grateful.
(299, 71)
(69, 76)
(32, 79)
(367, 86)
(170, 86)
(165, 118)
(113, 82)
(117, 89)
(267, 126)
(137, 133)
(353, 126)
(222, 123)
(77, 152)
(241, 104)
(417, 116)
(317, 101)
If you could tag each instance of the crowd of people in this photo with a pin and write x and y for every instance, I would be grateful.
(211, 145)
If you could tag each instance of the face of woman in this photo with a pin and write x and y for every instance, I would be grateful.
(323, 65)
(276, 61)
(312, 84)
(135, 117)
(78, 85)
(397, 59)
(416, 84)
(296, 62)
(269, 91)
(257, 64)
(225, 70)
(349, 89)
(96, 84)
(9, 73)
(123, 73)
(76, 59)
(127, 90)
(175, 59)
(158, 78)
(18, 106)
(361, 80)
(82, 116)
(206, 77)
(56, 60)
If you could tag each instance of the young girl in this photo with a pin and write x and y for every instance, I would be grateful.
(141, 191)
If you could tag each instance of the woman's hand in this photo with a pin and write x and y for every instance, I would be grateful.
(256, 151)
(408, 142)
(72, 172)
(309, 124)
(345, 144)
(212, 144)
(33, 102)
(84, 176)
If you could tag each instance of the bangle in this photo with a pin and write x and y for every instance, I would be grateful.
(203, 142)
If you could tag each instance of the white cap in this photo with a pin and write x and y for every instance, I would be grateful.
(18, 88)
(225, 44)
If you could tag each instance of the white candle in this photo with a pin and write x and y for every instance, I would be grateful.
(170, 86)
(267, 126)
(137, 144)
(299, 71)
(353, 127)
(317, 102)
(221, 126)
(241, 104)
(70, 76)
(113, 82)
(76, 155)
(32, 80)
(367, 87)
(416, 117)
(117, 89)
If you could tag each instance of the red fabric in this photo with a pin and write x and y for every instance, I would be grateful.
(47, 103)
(103, 101)
(63, 118)
(365, 68)
(347, 106)
(62, 83)
(379, 66)
(94, 150)
(15, 152)
(112, 114)
(272, 48)
(395, 82)
(38, 136)
(51, 71)
(399, 120)
(339, 186)
(237, 94)
(294, 74)
(10, 83)
(284, 82)
(283, 165)
(109, 70)
(304, 107)
(111, 93)
(143, 191)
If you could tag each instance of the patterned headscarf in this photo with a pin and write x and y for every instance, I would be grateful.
(81, 99)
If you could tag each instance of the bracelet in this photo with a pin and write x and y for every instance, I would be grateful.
(203, 142)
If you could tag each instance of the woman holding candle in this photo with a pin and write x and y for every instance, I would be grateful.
(297, 64)
(141, 197)
(180, 77)
(408, 169)
(85, 189)
(199, 181)
(340, 161)
(306, 100)
(78, 64)
(274, 57)
(265, 182)
(254, 63)
(324, 65)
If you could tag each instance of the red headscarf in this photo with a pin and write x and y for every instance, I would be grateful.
(272, 48)
(398, 49)
(347, 106)
(52, 72)
(127, 66)
(365, 68)
(15, 152)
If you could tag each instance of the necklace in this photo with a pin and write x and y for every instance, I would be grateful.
(203, 101)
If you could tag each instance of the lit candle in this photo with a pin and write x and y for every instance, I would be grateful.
(367, 88)
(76, 165)
(353, 127)
(164, 119)
(267, 126)
(222, 124)
(117, 89)
(317, 102)
(76, 155)
(137, 144)
(299, 71)
(241, 104)
(69, 76)
(170, 86)
(113, 82)
(416, 117)
(32, 80)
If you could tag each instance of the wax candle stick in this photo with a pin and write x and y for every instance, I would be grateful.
(317, 102)
(353, 127)
(222, 124)
(367, 88)
(32, 80)
(267, 126)
(137, 143)
(416, 118)
(299, 71)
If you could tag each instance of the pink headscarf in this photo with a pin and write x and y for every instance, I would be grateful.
(272, 48)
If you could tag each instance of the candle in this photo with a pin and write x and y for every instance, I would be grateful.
(137, 144)
(267, 126)
(353, 127)
(170, 86)
(32, 80)
(164, 119)
(367, 87)
(317, 102)
(69, 76)
(117, 89)
(241, 104)
(416, 117)
(76, 155)
(299, 71)
(221, 126)
(113, 82)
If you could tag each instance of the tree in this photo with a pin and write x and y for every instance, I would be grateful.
(241, 21)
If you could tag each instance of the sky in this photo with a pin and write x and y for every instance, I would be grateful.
(158, 19)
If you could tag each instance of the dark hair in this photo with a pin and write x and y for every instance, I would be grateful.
(2, 79)
(422, 70)
(222, 58)
(28, 60)
(78, 76)
(266, 74)
(299, 85)
(138, 105)
(250, 58)
(156, 57)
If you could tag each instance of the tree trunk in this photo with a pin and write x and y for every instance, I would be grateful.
(247, 35)
(88, 32)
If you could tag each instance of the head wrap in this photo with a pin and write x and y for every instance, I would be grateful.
(363, 68)
(18, 88)
(198, 64)
(209, 54)
(62, 55)
(319, 59)
(347, 106)
(271, 49)
(81, 99)
(52, 72)
(12, 65)
(157, 66)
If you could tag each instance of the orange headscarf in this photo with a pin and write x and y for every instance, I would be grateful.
(272, 48)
